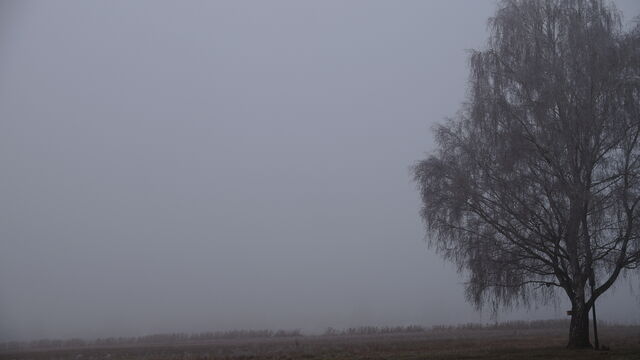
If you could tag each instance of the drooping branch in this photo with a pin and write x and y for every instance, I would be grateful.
(537, 181)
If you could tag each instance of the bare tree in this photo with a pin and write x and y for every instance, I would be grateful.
(535, 185)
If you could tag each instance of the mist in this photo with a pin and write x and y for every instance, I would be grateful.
(193, 166)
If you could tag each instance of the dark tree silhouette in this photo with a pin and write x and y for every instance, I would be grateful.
(535, 184)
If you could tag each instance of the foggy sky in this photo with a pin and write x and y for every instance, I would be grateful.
(212, 165)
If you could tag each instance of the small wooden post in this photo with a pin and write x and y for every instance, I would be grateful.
(592, 283)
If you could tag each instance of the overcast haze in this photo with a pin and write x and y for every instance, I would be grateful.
(192, 166)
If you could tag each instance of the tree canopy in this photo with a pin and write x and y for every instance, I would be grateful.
(535, 183)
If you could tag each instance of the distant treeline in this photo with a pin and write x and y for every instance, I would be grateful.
(510, 325)
(506, 325)
(374, 330)
(520, 325)
(380, 330)
(173, 338)
(179, 338)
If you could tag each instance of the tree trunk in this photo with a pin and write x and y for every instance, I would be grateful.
(579, 328)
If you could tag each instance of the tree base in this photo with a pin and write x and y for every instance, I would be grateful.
(579, 329)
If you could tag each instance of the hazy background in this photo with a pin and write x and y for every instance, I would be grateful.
(191, 166)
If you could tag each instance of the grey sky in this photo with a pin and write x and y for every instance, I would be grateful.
(206, 165)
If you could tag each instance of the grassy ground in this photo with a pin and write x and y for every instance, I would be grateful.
(501, 344)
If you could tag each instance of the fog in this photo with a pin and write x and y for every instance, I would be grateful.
(212, 165)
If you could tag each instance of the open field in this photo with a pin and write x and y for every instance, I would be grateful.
(459, 344)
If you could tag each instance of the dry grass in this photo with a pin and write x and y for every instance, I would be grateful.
(462, 344)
